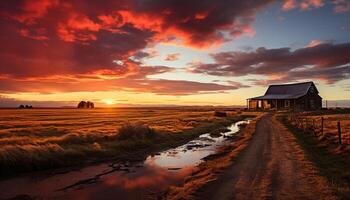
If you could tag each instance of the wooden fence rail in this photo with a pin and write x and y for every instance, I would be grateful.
(316, 127)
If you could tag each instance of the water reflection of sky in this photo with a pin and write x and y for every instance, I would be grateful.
(151, 177)
(183, 157)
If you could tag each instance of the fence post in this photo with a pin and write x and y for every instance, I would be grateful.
(339, 133)
(306, 125)
(322, 126)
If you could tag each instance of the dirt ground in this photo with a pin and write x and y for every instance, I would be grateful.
(273, 166)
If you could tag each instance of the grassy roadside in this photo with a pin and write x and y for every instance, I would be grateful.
(213, 165)
(334, 167)
(134, 147)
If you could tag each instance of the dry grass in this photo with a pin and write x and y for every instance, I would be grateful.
(136, 132)
(66, 126)
(39, 139)
(330, 128)
(332, 160)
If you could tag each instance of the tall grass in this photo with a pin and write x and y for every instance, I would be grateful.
(36, 143)
(135, 132)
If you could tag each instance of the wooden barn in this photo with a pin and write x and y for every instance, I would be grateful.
(297, 96)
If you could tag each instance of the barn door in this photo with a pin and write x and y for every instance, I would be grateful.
(286, 103)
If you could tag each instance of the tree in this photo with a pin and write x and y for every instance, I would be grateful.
(82, 104)
(86, 104)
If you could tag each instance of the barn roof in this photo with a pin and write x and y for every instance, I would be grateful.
(286, 91)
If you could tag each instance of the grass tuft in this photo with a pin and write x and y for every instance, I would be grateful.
(130, 131)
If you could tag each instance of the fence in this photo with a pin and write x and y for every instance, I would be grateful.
(337, 133)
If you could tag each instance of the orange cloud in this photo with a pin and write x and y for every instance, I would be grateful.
(172, 57)
(314, 43)
(289, 5)
(303, 5)
(340, 6)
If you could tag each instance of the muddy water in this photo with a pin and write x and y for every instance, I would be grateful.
(121, 180)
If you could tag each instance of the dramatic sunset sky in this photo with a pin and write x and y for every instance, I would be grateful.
(166, 52)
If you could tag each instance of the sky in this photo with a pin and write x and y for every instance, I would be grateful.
(169, 52)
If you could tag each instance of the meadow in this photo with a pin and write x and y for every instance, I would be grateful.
(38, 139)
(327, 130)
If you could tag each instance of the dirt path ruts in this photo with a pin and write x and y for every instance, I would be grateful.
(272, 167)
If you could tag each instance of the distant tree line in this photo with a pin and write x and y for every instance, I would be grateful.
(25, 106)
(85, 104)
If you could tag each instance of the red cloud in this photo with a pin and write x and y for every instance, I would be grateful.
(198, 24)
(53, 45)
(59, 37)
(32, 10)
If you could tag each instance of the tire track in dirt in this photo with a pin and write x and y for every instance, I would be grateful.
(272, 167)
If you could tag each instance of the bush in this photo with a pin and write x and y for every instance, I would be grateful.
(135, 132)
(220, 114)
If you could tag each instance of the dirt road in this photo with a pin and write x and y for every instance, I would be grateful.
(272, 167)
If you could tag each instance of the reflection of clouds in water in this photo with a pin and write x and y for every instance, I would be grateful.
(131, 185)
(151, 175)
(154, 177)
(191, 153)
(180, 159)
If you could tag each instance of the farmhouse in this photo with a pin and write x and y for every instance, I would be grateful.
(297, 96)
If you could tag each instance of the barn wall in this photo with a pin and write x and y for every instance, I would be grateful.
(310, 102)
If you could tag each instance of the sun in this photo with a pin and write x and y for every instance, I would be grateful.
(108, 101)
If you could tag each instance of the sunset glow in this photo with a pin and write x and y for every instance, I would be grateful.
(57, 53)
(174, 99)
(108, 101)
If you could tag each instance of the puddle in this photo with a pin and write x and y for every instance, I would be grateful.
(122, 180)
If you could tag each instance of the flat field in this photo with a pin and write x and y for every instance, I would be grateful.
(37, 139)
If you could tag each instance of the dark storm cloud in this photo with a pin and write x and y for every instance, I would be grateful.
(324, 61)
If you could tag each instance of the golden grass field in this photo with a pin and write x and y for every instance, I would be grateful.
(36, 139)
(330, 127)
